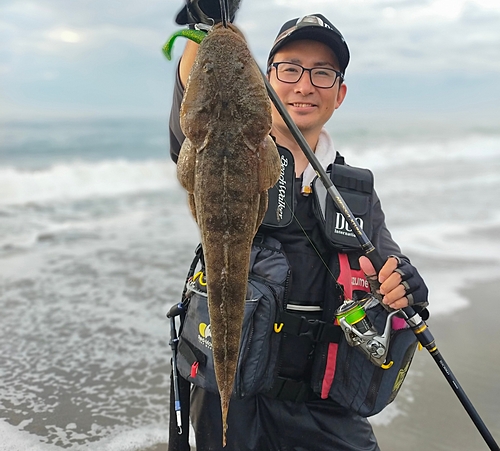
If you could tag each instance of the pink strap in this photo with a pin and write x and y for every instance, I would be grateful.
(331, 364)
(350, 279)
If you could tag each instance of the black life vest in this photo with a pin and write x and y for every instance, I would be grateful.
(338, 371)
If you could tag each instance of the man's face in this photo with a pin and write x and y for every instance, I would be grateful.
(310, 107)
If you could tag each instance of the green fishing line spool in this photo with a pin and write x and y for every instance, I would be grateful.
(354, 314)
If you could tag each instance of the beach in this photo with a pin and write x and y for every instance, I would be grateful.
(430, 415)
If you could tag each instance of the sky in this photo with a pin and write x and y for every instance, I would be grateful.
(412, 59)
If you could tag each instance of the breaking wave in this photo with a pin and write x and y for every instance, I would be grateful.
(79, 180)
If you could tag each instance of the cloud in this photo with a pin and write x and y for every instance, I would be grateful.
(109, 50)
(436, 38)
(394, 35)
(67, 36)
(29, 28)
(398, 36)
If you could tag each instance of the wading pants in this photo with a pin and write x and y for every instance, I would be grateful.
(260, 423)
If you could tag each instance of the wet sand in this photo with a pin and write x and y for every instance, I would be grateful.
(469, 343)
(158, 447)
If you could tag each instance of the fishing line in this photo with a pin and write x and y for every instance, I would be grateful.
(311, 242)
(340, 287)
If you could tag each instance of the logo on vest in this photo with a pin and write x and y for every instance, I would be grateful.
(342, 227)
(360, 283)
(401, 377)
(205, 335)
(281, 189)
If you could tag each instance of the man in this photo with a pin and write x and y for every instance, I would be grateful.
(306, 67)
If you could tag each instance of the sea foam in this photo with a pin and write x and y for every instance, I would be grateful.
(81, 180)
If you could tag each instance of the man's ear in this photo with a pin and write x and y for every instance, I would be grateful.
(341, 95)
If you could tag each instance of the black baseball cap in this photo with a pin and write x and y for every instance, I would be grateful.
(317, 28)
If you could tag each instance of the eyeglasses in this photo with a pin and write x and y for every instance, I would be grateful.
(321, 77)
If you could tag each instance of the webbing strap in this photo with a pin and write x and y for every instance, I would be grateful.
(289, 390)
(316, 330)
(190, 353)
(197, 257)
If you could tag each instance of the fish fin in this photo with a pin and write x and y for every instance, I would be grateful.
(269, 164)
(262, 209)
(194, 35)
(186, 165)
(192, 206)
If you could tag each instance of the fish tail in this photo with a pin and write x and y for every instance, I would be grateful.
(225, 408)
(195, 35)
(227, 275)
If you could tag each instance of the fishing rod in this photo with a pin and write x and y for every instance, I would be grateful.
(224, 12)
(412, 318)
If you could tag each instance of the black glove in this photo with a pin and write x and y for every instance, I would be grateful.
(203, 11)
(416, 290)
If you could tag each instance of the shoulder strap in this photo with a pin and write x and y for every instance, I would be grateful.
(281, 197)
(318, 331)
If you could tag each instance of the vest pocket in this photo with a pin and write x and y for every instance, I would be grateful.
(360, 385)
(259, 343)
(356, 188)
(258, 353)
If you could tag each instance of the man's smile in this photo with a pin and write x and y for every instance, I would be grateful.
(302, 105)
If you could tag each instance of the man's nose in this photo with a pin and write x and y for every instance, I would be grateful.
(304, 85)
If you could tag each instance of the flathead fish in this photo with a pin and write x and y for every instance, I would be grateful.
(227, 163)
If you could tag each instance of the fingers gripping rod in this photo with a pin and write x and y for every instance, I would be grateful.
(412, 318)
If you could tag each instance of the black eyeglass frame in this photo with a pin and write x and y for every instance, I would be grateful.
(338, 74)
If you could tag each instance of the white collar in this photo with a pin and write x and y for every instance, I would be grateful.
(325, 153)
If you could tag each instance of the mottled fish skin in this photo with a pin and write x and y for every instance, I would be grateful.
(227, 163)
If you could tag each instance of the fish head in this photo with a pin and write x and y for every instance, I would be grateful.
(225, 85)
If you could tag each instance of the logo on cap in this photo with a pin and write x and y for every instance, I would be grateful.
(311, 20)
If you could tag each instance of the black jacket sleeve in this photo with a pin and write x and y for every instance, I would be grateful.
(176, 135)
(417, 291)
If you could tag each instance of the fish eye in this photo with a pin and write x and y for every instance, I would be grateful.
(239, 66)
(208, 67)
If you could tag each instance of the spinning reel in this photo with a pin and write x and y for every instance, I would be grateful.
(360, 332)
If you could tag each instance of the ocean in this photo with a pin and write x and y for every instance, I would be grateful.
(96, 239)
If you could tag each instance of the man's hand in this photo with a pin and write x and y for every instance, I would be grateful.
(393, 289)
(202, 11)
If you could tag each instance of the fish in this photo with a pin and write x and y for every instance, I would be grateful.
(227, 163)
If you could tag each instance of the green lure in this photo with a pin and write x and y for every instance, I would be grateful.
(195, 35)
